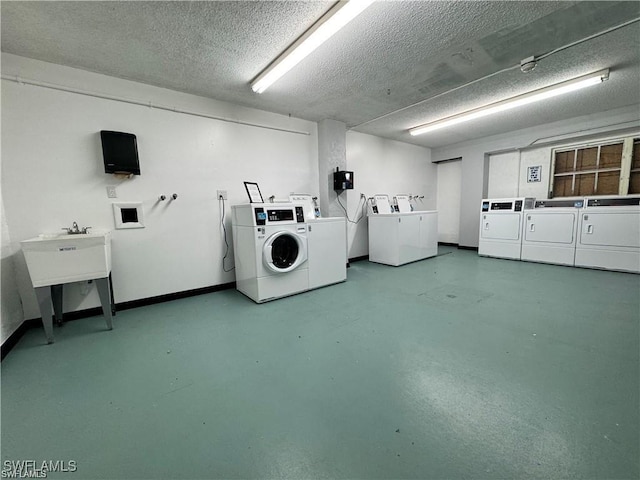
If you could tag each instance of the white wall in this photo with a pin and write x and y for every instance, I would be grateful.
(449, 194)
(52, 174)
(11, 314)
(531, 158)
(473, 155)
(504, 170)
(384, 166)
(332, 139)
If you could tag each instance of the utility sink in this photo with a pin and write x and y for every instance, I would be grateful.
(54, 259)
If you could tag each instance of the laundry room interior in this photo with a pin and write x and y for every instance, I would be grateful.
(329, 278)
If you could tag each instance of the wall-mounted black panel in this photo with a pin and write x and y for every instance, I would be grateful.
(343, 180)
(120, 152)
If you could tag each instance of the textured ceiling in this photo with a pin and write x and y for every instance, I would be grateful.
(397, 65)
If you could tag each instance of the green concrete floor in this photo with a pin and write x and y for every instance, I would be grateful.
(450, 368)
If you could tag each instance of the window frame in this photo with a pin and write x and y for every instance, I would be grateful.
(628, 143)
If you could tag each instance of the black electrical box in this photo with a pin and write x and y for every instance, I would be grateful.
(120, 152)
(342, 180)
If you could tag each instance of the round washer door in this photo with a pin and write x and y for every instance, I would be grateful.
(284, 251)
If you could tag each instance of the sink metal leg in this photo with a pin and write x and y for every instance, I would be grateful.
(56, 296)
(43, 294)
(113, 300)
(105, 299)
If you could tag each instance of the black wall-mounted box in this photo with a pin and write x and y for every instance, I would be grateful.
(343, 180)
(120, 152)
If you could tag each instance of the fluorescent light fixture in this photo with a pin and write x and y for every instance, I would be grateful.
(524, 99)
(332, 21)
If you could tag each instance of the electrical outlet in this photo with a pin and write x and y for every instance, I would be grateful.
(111, 191)
(222, 194)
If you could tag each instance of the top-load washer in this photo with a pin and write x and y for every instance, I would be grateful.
(610, 234)
(550, 231)
(270, 250)
(501, 222)
(400, 237)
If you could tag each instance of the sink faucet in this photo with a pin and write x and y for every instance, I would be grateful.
(75, 230)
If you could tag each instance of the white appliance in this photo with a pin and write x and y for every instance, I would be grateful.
(327, 240)
(399, 238)
(609, 235)
(501, 222)
(550, 231)
(270, 250)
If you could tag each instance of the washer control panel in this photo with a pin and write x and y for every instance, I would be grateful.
(279, 215)
(261, 217)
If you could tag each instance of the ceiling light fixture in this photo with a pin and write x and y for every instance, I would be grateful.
(520, 100)
(332, 21)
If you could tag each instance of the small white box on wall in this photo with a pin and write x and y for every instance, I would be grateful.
(128, 215)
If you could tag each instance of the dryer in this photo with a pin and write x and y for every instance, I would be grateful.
(609, 235)
(270, 250)
(501, 222)
(550, 231)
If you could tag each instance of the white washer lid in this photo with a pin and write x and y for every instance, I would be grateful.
(403, 203)
(382, 202)
(306, 200)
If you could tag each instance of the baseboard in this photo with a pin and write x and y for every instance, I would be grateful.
(359, 259)
(143, 302)
(448, 244)
(15, 337)
(462, 247)
(17, 334)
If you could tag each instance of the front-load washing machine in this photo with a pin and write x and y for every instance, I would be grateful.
(610, 234)
(270, 250)
(501, 226)
(550, 231)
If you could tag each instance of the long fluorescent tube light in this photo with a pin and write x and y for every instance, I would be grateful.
(332, 21)
(520, 100)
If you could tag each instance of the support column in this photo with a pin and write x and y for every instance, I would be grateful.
(332, 153)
